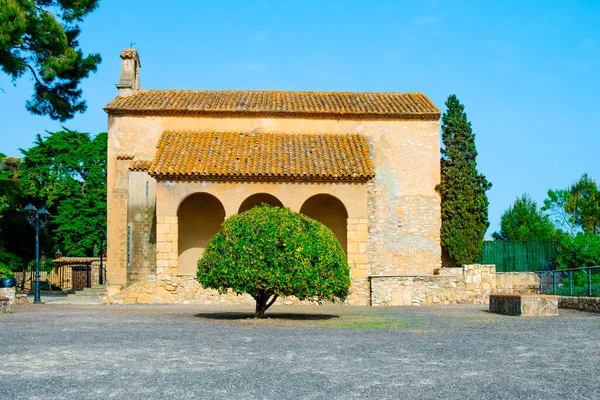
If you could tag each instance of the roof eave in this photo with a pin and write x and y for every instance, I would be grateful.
(233, 113)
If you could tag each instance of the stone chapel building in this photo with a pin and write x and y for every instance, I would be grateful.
(181, 161)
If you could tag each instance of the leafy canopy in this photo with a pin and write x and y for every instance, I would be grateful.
(576, 208)
(269, 252)
(524, 221)
(66, 172)
(40, 37)
(582, 250)
(462, 188)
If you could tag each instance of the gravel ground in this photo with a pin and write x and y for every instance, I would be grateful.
(56, 351)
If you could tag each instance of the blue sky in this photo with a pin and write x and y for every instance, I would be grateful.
(528, 72)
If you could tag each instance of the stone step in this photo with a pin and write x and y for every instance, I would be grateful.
(93, 290)
(80, 294)
(96, 291)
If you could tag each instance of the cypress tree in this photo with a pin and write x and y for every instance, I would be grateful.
(462, 189)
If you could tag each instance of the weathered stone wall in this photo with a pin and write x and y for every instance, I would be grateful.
(141, 222)
(517, 282)
(591, 304)
(468, 284)
(186, 290)
(8, 292)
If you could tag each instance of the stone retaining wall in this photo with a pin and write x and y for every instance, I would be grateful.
(8, 292)
(591, 304)
(469, 284)
(517, 282)
(186, 290)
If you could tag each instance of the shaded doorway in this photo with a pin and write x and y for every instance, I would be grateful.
(199, 218)
(331, 212)
(257, 199)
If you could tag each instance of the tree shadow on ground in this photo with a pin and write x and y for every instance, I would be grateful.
(231, 316)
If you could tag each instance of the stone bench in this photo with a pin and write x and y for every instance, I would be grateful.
(5, 304)
(525, 305)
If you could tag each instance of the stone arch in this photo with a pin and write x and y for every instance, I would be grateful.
(257, 199)
(331, 212)
(199, 217)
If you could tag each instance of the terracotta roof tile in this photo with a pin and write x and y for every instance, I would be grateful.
(140, 165)
(349, 104)
(76, 260)
(129, 53)
(125, 156)
(262, 156)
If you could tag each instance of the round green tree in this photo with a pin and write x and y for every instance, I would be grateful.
(269, 252)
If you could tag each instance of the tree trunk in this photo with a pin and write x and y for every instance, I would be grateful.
(262, 304)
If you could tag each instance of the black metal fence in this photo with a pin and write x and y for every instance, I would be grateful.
(519, 256)
(571, 282)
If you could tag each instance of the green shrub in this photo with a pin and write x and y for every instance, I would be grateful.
(269, 252)
(5, 271)
(580, 251)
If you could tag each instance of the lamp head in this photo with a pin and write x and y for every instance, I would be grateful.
(43, 216)
(30, 212)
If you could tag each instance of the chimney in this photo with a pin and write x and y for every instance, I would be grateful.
(130, 73)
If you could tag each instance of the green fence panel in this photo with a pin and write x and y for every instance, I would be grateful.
(519, 256)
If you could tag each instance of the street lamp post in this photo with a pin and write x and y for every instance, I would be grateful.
(101, 279)
(38, 219)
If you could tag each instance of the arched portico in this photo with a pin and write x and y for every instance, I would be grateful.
(257, 199)
(199, 218)
(331, 212)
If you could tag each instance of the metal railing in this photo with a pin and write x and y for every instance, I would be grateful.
(571, 282)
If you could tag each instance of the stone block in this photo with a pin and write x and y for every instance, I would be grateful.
(361, 258)
(524, 305)
(363, 247)
(352, 247)
(361, 272)
(163, 247)
(144, 298)
(162, 229)
(362, 236)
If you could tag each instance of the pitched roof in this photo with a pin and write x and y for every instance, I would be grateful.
(338, 104)
(262, 156)
(76, 260)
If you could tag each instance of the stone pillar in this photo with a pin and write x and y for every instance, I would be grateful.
(142, 215)
(167, 253)
(358, 245)
(358, 260)
(117, 205)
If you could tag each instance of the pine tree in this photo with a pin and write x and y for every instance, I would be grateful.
(40, 37)
(525, 221)
(462, 189)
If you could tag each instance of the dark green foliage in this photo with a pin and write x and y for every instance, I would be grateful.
(582, 250)
(66, 172)
(269, 252)
(462, 189)
(576, 208)
(5, 271)
(524, 221)
(40, 37)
